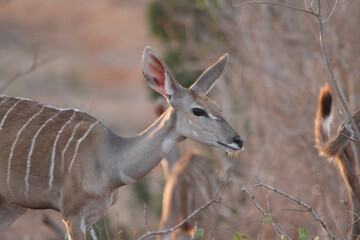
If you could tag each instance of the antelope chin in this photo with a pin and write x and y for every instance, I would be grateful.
(232, 147)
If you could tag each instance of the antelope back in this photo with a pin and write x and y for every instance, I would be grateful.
(39, 146)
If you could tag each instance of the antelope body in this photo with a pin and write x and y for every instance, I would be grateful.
(66, 160)
(342, 150)
(191, 183)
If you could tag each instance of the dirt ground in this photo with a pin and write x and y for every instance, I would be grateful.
(92, 52)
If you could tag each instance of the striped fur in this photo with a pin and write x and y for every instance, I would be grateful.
(341, 151)
(28, 120)
(33, 165)
(53, 152)
(66, 160)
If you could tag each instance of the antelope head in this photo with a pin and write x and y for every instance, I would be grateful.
(197, 117)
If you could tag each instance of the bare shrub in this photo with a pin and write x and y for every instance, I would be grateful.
(277, 67)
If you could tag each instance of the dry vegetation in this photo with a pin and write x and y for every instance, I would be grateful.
(269, 94)
(271, 90)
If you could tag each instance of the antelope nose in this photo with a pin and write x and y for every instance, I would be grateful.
(239, 141)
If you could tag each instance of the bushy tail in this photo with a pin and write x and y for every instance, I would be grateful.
(341, 150)
(327, 147)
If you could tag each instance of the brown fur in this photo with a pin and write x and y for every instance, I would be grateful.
(66, 160)
(182, 196)
(342, 151)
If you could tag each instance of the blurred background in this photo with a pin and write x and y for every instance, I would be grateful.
(87, 55)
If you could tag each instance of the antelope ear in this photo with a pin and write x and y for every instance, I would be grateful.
(157, 74)
(210, 76)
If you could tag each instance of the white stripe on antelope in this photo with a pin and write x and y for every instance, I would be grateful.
(72, 163)
(14, 144)
(7, 113)
(52, 163)
(28, 165)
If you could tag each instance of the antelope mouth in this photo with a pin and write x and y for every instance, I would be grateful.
(231, 147)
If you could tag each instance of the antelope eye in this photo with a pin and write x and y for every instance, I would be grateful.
(199, 112)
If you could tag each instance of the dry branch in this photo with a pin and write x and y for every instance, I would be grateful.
(278, 229)
(193, 214)
(332, 12)
(331, 213)
(222, 186)
(310, 209)
(35, 64)
(275, 4)
(355, 130)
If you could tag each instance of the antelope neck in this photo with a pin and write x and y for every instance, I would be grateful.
(135, 157)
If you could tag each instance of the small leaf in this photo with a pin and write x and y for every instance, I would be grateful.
(316, 238)
(303, 234)
(199, 234)
(237, 236)
(268, 220)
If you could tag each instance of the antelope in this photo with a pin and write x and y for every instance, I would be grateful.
(66, 160)
(342, 150)
(190, 183)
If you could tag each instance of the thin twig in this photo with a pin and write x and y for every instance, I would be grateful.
(349, 137)
(146, 218)
(295, 210)
(332, 75)
(277, 229)
(222, 186)
(330, 211)
(348, 127)
(332, 12)
(322, 42)
(347, 222)
(276, 159)
(106, 230)
(35, 64)
(275, 4)
(188, 218)
(306, 3)
(301, 203)
(268, 206)
(195, 230)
